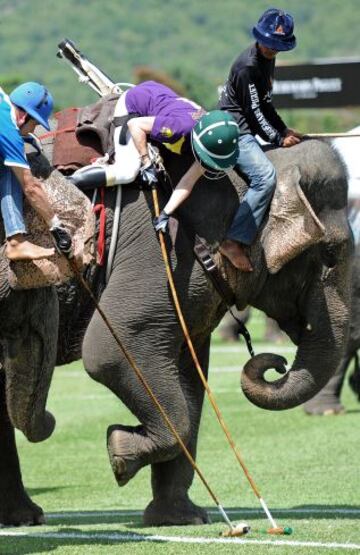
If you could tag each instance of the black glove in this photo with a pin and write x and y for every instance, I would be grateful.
(62, 240)
(149, 175)
(161, 223)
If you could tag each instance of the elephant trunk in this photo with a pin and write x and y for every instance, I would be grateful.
(29, 358)
(321, 345)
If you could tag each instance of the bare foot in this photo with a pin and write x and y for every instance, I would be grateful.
(18, 248)
(235, 252)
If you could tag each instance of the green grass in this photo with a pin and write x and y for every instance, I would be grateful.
(298, 462)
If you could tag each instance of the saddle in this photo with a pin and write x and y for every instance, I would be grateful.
(83, 134)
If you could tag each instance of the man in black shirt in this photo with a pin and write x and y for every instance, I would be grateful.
(247, 96)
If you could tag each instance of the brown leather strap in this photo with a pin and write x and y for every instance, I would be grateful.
(203, 255)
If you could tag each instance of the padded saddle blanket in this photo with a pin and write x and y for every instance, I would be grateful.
(72, 151)
(74, 209)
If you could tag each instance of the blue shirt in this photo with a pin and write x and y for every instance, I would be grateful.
(12, 146)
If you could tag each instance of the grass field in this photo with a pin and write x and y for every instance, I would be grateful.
(307, 469)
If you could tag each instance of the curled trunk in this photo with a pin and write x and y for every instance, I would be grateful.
(321, 345)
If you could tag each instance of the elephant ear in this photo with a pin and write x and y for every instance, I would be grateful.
(293, 225)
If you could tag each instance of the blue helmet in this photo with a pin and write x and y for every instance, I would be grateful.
(35, 100)
(275, 30)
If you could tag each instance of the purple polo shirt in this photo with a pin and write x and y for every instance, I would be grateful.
(174, 116)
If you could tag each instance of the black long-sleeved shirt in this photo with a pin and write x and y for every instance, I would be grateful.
(247, 94)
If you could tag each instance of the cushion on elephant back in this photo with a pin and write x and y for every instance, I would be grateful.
(292, 226)
(74, 210)
(82, 135)
(70, 152)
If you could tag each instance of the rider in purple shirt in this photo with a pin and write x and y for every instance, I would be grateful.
(158, 112)
(174, 117)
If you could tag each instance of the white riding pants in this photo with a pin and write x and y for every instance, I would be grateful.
(127, 161)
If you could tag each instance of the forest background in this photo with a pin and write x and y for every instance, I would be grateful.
(191, 44)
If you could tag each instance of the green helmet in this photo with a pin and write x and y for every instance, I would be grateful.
(215, 140)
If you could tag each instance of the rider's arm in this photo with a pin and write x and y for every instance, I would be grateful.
(184, 188)
(34, 192)
(139, 129)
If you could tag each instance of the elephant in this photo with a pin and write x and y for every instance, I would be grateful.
(308, 297)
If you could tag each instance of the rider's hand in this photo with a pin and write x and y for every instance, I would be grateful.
(291, 138)
(161, 223)
(149, 174)
(62, 239)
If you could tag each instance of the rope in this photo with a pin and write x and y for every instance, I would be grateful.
(244, 332)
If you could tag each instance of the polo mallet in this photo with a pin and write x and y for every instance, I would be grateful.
(234, 530)
(87, 72)
(275, 529)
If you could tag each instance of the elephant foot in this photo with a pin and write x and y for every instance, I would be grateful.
(327, 407)
(124, 459)
(174, 512)
(19, 510)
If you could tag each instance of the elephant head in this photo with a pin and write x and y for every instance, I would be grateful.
(310, 296)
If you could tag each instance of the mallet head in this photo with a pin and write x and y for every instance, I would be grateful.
(239, 529)
(281, 531)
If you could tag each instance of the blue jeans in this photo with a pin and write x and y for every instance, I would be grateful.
(253, 162)
(11, 202)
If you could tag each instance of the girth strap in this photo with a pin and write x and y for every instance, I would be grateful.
(203, 255)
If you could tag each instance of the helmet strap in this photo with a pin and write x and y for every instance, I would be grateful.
(213, 175)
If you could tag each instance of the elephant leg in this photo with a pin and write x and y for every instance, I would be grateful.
(327, 401)
(172, 479)
(16, 507)
(133, 447)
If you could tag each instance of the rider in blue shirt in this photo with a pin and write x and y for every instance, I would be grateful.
(29, 104)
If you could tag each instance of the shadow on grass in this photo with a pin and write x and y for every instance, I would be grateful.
(94, 517)
(134, 518)
(47, 542)
(298, 512)
(38, 491)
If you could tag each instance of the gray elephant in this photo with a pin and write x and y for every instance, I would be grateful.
(309, 298)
